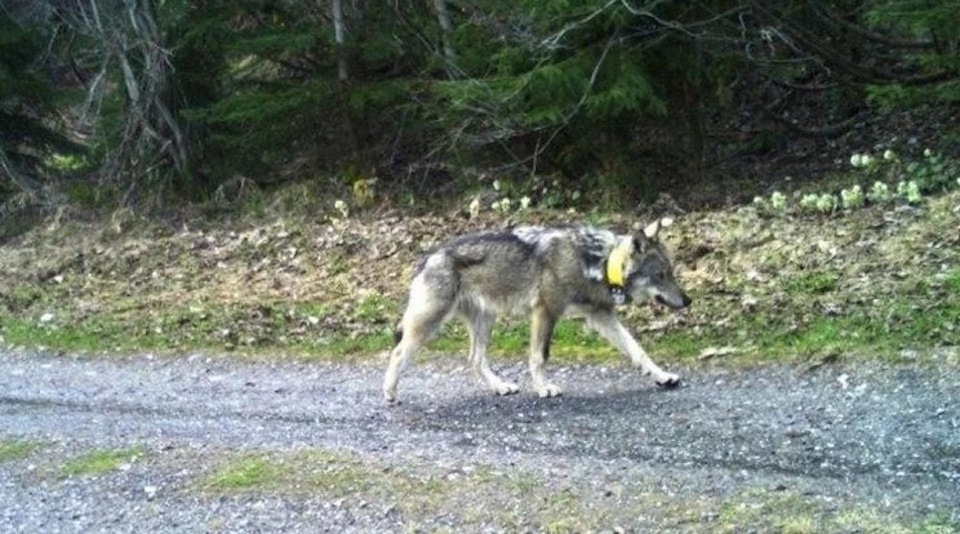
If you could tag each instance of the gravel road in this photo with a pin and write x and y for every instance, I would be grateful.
(870, 439)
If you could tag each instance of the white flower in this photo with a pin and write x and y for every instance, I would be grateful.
(475, 208)
(505, 204)
(525, 202)
(856, 160)
(808, 202)
(889, 155)
(927, 152)
(758, 201)
(496, 185)
(866, 160)
(495, 206)
(778, 201)
(826, 203)
(342, 207)
(910, 191)
(879, 192)
(851, 198)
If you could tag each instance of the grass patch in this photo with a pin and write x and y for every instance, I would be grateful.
(812, 283)
(100, 462)
(84, 336)
(952, 281)
(793, 513)
(364, 344)
(417, 490)
(14, 449)
(493, 498)
(246, 473)
(799, 328)
(573, 341)
(375, 307)
(331, 474)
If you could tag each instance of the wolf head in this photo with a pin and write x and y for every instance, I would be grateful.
(647, 270)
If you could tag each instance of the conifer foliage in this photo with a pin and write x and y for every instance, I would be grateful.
(178, 98)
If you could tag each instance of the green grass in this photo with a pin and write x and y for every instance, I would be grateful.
(375, 308)
(99, 462)
(316, 471)
(246, 473)
(14, 449)
(572, 341)
(952, 281)
(798, 328)
(792, 513)
(811, 283)
(419, 490)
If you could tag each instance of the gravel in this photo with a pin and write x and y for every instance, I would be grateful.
(885, 437)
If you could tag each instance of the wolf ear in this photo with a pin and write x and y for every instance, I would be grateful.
(652, 229)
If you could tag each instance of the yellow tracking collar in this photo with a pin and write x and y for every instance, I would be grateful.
(617, 262)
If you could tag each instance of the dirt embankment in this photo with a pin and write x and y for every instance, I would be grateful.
(289, 283)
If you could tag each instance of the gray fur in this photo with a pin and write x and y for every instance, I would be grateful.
(547, 272)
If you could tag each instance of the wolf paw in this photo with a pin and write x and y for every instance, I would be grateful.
(669, 381)
(505, 388)
(548, 390)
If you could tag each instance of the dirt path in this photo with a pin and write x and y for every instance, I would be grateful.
(839, 446)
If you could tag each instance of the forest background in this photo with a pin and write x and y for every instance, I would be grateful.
(149, 105)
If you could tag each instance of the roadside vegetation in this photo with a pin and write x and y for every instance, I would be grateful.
(880, 281)
(17, 449)
(483, 496)
(100, 462)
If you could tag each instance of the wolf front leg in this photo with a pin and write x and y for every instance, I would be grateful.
(541, 331)
(480, 324)
(608, 326)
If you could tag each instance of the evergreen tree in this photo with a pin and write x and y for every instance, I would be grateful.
(30, 132)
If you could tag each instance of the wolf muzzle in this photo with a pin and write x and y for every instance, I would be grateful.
(685, 301)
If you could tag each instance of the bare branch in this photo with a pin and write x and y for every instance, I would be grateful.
(553, 41)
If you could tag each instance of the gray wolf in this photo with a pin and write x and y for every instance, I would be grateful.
(548, 272)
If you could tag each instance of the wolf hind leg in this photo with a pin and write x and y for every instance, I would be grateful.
(428, 309)
(479, 322)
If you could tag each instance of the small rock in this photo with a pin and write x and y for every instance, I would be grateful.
(844, 380)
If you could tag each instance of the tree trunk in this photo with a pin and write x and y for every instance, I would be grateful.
(446, 36)
(343, 77)
(340, 38)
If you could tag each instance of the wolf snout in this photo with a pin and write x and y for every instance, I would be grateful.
(677, 304)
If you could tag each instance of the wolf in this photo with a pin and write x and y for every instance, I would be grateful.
(547, 272)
